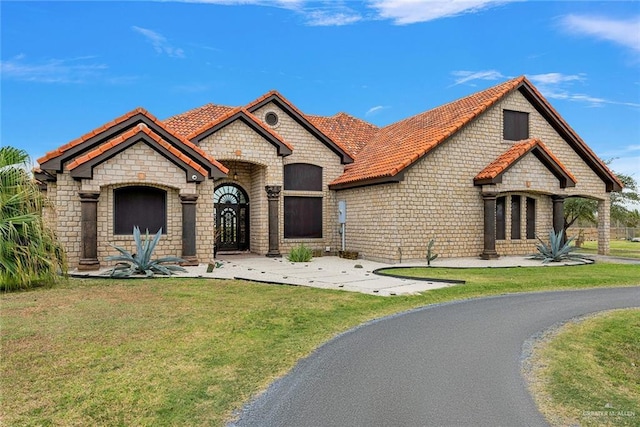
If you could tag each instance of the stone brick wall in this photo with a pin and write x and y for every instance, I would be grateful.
(257, 164)
(390, 222)
(438, 199)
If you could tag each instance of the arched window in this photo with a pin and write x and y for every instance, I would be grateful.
(143, 206)
(231, 209)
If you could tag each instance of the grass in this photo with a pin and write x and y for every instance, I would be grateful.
(191, 351)
(621, 248)
(589, 373)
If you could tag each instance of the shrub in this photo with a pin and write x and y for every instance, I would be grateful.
(30, 254)
(300, 254)
(557, 251)
(140, 262)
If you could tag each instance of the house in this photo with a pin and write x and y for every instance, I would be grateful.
(482, 175)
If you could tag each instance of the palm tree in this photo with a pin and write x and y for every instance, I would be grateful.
(29, 252)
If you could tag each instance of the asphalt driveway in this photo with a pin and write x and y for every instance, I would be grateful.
(456, 364)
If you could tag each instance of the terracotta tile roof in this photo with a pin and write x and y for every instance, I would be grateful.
(401, 144)
(187, 123)
(229, 114)
(59, 151)
(346, 130)
(515, 153)
(140, 128)
(274, 93)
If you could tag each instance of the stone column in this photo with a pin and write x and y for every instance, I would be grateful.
(189, 228)
(558, 215)
(273, 195)
(604, 225)
(489, 251)
(89, 231)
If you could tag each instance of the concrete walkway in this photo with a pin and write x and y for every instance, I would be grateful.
(332, 272)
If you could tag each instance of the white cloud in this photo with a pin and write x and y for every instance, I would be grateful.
(321, 18)
(462, 77)
(69, 70)
(555, 78)
(559, 86)
(404, 12)
(159, 42)
(623, 32)
(375, 110)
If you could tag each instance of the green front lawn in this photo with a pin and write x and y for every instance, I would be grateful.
(191, 351)
(589, 373)
(621, 248)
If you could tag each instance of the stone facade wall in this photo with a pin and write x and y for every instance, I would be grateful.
(256, 163)
(308, 149)
(438, 199)
(67, 205)
(370, 227)
(390, 222)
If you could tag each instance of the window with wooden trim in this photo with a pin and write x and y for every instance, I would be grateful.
(500, 218)
(302, 177)
(515, 125)
(515, 218)
(302, 217)
(531, 218)
(143, 206)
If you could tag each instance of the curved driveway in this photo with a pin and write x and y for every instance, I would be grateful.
(451, 364)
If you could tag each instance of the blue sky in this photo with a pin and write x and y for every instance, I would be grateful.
(68, 67)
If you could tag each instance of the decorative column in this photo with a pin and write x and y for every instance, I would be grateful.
(604, 225)
(89, 231)
(489, 251)
(273, 195)
(189, 228)
(558, 215)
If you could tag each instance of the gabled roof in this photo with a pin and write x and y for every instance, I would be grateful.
(400, 145)
(53, 161)
(284, 104)
(82, 166)
(562, 127)
(350, 132)
(241, 113)
(492, 174)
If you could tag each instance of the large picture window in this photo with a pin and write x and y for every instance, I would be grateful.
(145, 207)
(302, 217)
(515, 125)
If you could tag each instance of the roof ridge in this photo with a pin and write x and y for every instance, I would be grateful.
(60, 150)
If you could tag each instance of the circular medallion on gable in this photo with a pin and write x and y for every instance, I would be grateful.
(271, 118)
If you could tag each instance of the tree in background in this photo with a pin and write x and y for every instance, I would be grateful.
(581, 209)
(29, 252)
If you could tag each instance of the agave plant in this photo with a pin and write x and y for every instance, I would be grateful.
(141, 262)
(557, 250)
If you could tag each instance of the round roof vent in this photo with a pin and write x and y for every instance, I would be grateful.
(271, 118)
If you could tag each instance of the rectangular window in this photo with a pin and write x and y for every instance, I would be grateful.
(515, 218)
(145, 207)
(531, 218)
(302, 177)
(515, 125)
(500, 218)
(302, 217)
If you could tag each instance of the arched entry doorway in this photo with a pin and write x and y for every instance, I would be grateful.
(231, 209)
